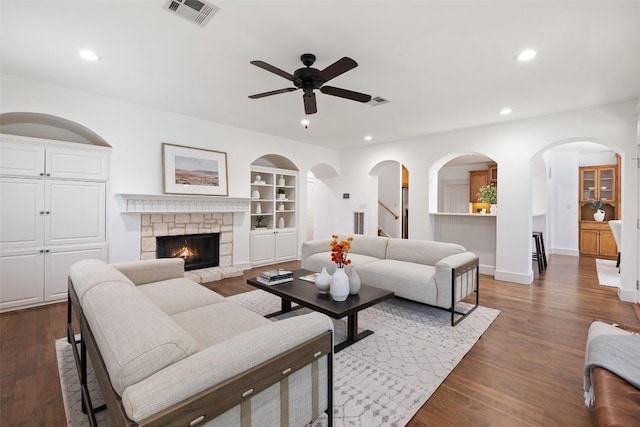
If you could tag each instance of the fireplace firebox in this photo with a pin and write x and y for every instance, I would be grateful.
(197, 250)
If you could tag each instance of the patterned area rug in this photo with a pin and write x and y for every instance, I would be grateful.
(380, 381)
(608, 274)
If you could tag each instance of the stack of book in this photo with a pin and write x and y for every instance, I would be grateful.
(274, 277)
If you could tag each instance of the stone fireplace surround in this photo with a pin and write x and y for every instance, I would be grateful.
(166, 214)
(153, 225)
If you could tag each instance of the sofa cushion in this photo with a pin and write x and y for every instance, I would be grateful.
(151, 271)
(316, 261)
(88, 273)
(178, 295)
(215, 323)
(136, 338)
(373, 246)
(406, 279)
(421, 251)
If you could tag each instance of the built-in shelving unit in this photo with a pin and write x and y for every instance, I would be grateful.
(273, 215)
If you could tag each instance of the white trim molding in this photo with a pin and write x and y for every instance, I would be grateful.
(163, 203)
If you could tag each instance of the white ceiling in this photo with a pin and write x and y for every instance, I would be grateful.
(443, 64)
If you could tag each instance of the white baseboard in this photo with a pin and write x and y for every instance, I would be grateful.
(487, 269)
(628, 295)
(510, 276)
(243, 266)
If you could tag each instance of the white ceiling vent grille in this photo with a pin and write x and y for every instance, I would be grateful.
(377, 100)
(196, 11)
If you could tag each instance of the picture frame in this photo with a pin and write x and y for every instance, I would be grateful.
(196, 171)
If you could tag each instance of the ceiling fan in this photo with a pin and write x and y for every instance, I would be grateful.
(309, 79)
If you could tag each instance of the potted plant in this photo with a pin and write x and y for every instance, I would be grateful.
(281, 193)
(258, 222)
(489, 194)
(597, 206)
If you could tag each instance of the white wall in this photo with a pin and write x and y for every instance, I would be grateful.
(136, 133)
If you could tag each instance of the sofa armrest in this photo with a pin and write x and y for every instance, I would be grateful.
(152, 270)
(221, 363)
(314, 246)
(444, 270)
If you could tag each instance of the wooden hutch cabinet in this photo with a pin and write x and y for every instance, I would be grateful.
(598, 182)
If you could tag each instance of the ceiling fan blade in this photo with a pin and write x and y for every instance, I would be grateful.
(310, 106)
(273, 92)
(273, 69)
(344, 93)
(340, 66)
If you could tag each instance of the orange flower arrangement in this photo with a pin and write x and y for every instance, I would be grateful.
(340, 250)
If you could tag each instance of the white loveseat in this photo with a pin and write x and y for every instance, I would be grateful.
(434, 273)
(168, 351)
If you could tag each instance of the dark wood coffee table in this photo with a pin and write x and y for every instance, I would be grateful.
(305, 294)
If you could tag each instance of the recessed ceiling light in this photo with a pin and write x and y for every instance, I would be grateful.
(506, 111)
(89, 55)
(304, 122)
(368, 138)
(526, 55)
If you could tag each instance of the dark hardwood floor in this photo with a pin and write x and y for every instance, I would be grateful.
(526, 370)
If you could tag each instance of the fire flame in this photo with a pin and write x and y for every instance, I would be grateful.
(184, 252)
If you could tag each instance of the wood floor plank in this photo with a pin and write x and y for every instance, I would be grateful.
(526, 370)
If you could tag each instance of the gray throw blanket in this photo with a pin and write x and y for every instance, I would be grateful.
(619, 354)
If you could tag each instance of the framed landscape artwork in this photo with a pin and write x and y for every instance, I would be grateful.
(188, 170)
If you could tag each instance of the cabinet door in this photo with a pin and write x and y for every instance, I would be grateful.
(21, 213)
(588, 184)
(286, 245)
(21, 159)
(57, 264)
(476, 180)
(77, 212)
(607, 183)
(607, 243)
(76, 164)
(589, 242)
(262, 248)
(21, 278)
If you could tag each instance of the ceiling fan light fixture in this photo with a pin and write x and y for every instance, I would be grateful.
(506, 111)
(89, 55)
(304, 122)
(526, 55)
(368, 138)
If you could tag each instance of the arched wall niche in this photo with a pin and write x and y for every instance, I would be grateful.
(40, 125)
(275, 161)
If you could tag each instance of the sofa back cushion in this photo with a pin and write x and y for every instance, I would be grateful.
(152, 270)
(88, 273)
(135, 337)
(373, 246)
(425, 252)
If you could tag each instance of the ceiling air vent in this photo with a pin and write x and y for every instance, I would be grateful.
(196, 11)
(378, 100)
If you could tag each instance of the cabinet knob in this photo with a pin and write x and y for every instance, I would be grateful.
(48, 174)
(41, 212)
(47, 251)
(47, 213)
(41, 251)
(41, 173)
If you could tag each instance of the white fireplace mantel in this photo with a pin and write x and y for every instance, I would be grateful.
(166, 203)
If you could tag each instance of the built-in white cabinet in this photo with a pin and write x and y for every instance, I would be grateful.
(274, 234)
(53, 214)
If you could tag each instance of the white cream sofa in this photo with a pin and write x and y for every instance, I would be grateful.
(419, 270)
(168, 351)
